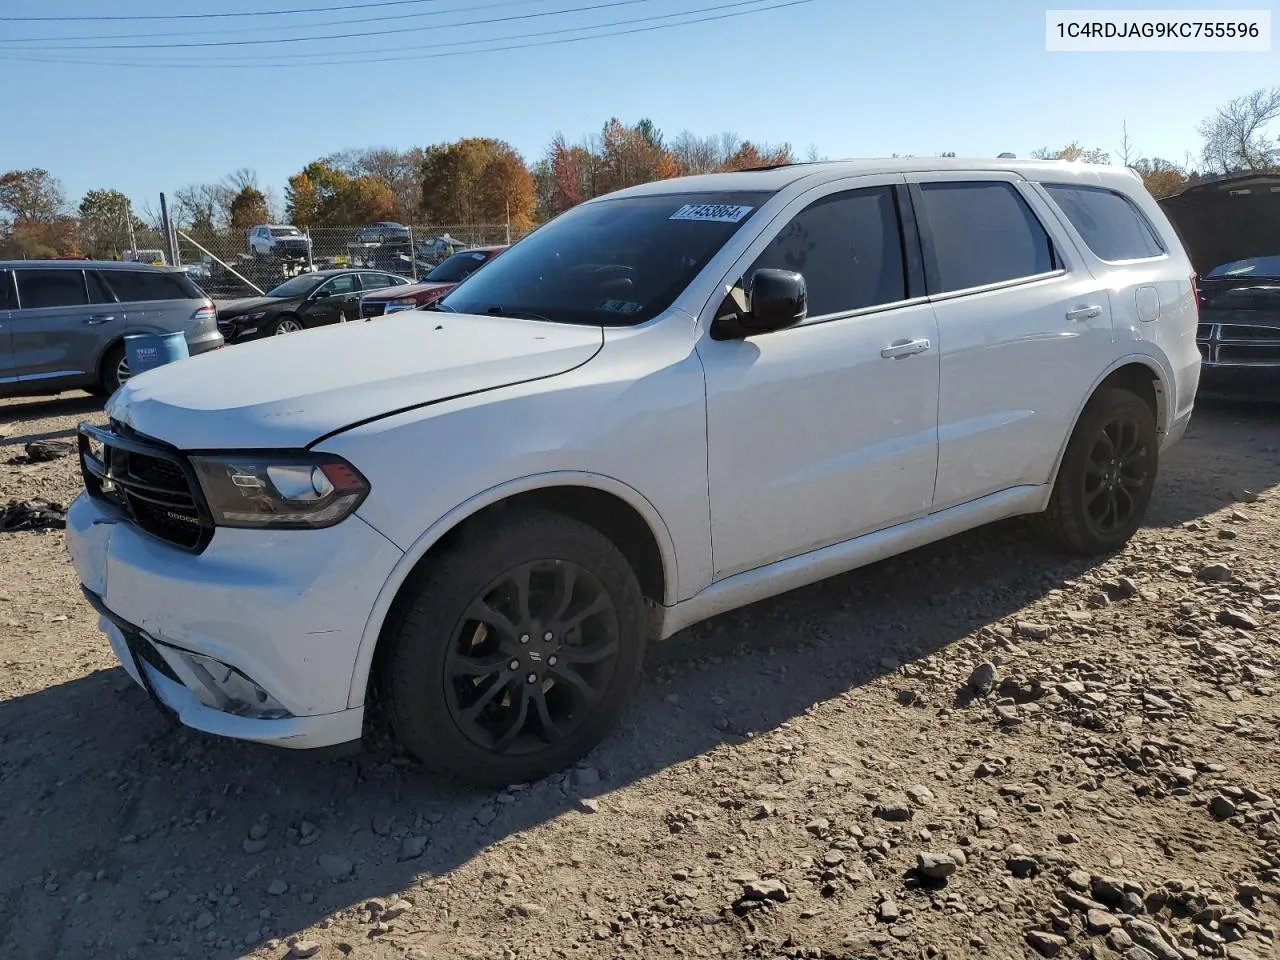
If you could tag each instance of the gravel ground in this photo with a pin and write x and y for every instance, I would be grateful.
(978, 749)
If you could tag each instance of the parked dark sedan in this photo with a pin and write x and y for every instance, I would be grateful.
(442, 279)
(307, 300)
(1231, 230)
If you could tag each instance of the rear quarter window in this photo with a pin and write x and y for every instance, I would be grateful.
(38, 289)
(136, 286)
(7, 299)
(979, 233)
(1107, 221)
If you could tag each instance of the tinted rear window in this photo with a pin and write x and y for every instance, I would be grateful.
(136, 286)
(981, 233)
(51, 288)
(7, 300)
(1108, 222)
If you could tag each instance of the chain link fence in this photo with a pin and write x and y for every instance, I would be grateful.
(229, 264)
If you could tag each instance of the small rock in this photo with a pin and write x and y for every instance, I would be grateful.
(983, 678)
(586, 777)
(530, 909)
(258, 831)
(1222, 807)
(1022, 865)
(1107, 890)
(1150, 937)
(1100, 921)
(920, 795)
(254, 846)
(397, 908)
(304, 948)
(765, 890)
(1238, 619)
(485, 816)
(818, 827)
(381, 824)
(589, 805)
(1036, 631)
(988, 819)
(335, 867)
(204, 920)
(411, 848)
(1047, 944)
(889, 911)
(42, 451)
(935, 866)
(1216, 573)
(158, 895)
(278, 888)
(893, 812)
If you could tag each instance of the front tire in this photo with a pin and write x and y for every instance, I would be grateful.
(516, 651)
(287, 324)
(113, 371)
(1107, 476)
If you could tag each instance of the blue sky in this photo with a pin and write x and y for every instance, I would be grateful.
(852, 77)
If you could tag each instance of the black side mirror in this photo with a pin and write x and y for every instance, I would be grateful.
(322, 295)
(776, 299)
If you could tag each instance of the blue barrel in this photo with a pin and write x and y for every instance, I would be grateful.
(147, 350)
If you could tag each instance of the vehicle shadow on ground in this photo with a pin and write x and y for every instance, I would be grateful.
(188, 833)
(98, 783)
(15, 411)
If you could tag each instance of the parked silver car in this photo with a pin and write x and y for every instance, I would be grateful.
(63, 323)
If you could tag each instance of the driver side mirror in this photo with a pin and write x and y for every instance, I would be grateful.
(776, 299)
(322, 295)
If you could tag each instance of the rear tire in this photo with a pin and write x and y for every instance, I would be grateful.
(1104, 485)
(113, 371)
(282, 326)
(517, 649)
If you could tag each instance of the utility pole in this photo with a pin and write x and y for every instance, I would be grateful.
(168, 229)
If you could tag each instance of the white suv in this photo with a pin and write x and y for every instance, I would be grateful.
(667, 403)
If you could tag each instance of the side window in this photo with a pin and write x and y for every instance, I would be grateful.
(849, 248)
(7, 299)
(980, 233)
(1108, 222)
(135, 286)
(345, 283)
(51, 288)
(374, 281)
(99, 292)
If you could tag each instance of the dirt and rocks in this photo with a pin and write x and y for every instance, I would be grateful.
(975, 750)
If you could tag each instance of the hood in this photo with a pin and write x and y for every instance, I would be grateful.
(232, 308)
(1227, 220)
(287, 392)
(407, 290)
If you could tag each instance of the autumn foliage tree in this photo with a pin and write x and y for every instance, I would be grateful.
(321, 196)
(33, 222)
(248, 208)
(476, 180)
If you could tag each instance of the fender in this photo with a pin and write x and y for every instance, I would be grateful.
(1164, 375)
(432, 535)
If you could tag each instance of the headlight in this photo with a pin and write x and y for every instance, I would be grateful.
(405, 303)
(284, 490)
(248, 317)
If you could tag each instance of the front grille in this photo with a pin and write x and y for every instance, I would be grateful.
(1239, 344)
(152, 484)
(375, 308)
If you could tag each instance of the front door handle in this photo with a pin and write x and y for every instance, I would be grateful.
(99, 318)
(904, 348)
(1084, 313)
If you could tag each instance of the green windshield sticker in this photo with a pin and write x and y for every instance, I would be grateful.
(621, 306)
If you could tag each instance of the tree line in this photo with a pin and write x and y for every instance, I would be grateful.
(482, 180)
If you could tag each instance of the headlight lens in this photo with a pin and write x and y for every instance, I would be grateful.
(248, 317)
(404, 303)
(283, 491)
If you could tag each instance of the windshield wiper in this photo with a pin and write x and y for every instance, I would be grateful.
(441, 305)
(498, 310)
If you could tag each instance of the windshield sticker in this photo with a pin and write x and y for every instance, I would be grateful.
(621, 306)
(712, 212)
(477, 256)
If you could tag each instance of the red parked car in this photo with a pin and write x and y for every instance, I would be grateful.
(450, 272)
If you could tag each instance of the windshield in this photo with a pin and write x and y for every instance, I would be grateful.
(456, 268)
(299, 286)
(610, 263)
(1268, 266)
(285, 232)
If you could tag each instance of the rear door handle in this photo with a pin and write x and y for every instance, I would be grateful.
(1084, 313)
(905, 348)
(98, 318)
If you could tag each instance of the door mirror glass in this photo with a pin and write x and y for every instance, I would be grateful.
(775, 299)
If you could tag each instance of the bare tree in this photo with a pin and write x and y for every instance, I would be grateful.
(1236, 137)
(1073, 151)
(199, 206)
(1127, 153)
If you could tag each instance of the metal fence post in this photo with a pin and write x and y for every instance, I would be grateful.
(311, 263)
(413, 254)
(168, 230)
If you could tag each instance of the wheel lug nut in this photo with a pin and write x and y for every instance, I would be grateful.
(551, 660)
(548, 636)
(524, 638)
(515, 664)
(532, 678)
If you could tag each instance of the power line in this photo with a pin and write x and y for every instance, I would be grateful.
(258, 29)
(340, 36)
(419, 57)
(217, 16)
(381, 51)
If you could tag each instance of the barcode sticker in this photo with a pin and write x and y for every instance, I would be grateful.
(712, 212)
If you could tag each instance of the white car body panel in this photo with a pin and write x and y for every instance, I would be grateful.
(758, 465)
